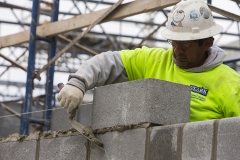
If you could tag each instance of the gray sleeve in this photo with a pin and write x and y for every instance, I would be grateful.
(105, 68)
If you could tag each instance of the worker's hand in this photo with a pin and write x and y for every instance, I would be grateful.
(70, 97)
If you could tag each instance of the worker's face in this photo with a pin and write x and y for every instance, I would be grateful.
(189, 54)
(61, 86)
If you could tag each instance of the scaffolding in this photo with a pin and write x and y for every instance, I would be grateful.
(47, 28)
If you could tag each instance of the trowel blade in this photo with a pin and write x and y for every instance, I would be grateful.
(85, 131)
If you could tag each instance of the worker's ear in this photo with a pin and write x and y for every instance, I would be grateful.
(208, 43)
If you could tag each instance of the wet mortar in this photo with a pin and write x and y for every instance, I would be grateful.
(73, 132)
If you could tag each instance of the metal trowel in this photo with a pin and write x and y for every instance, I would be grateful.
(86, 132)
(83, 130)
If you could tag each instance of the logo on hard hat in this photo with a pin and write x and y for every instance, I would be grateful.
(193, 15)
(204, 12)
(176, 24)
(178, 17)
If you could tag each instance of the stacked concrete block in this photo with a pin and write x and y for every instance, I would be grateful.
(125, 145)
(140, 143)
(213, 139)
(69, 147)
(165, 142)
(60, 115)
(83, 116)
(126, 105)
(147, 100)
(228, 139)
(14, 148)
(18, 150)
(9, 125)
(197, 140)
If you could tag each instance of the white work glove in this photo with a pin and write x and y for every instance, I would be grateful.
(70, 97)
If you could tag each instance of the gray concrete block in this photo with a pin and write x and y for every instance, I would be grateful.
(197, 140)
(165, 142)
(8, 130)
(147, 100)
(84, 114)
(127, 145)
(62, 148)
(60, 120)
(18, 150)
(9, 125)
(228, 139)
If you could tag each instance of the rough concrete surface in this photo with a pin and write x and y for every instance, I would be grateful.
(84, 114)
(18, 150)
(213, 139)
(63, 148)
(60, 120)
(228, 139)
(127, 145)
(147, 100)
(197, 140)
(9, 125)
(165, 142)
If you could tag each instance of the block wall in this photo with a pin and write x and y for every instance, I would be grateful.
(139, 120)
(207, 140)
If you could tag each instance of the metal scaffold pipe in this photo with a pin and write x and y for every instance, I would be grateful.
(50, 71)
(30, 68)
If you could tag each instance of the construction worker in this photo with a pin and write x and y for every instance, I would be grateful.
(60, 85)
(193, 60)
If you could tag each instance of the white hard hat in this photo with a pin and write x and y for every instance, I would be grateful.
(190, 20)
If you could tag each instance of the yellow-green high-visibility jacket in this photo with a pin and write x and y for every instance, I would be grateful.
(215, 93)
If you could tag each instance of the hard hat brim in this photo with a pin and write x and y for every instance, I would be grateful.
(186, 36)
